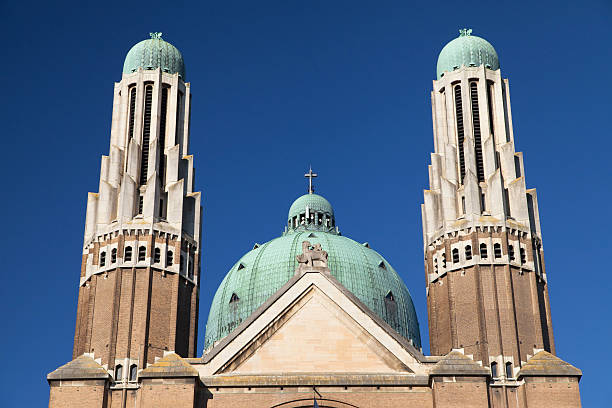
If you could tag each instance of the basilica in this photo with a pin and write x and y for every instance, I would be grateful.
(490, 326)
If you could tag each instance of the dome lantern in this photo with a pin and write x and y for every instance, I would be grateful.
(154, 53)
(467, 50)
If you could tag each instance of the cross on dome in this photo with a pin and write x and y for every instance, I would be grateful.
(310, 175)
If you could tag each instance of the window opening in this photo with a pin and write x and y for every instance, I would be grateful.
(146, 135)
(435, 261)
(140, 204)
(490, 103)
(483, 203)
(483, 251)
(169, 258)
(391, 310)
(382, 265)
(114, 255)
(494, 370)
(477, 135)
(102, 258)
(191, 267)
(468, 252)
(128, 254)
(133, 372)
(179, 104)
(234, 298)
(241, 266)
(511, 252)
(132, 111)
(118, 372)
(157, 255)
(142, 253)
(455, 255)
(509, 371)
(523, 255)
(444, 260)
(162, 136)
(463, 204)
(497, 251)
(460, 134)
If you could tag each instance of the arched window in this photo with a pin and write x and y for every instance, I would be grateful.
(142, 253)
(133, 372)
(511, 252)
(468, 252)
(102, 258)
(523, 255)
(128, 254)
(509, 370)
(118, 372)
(497, 251)
(455, 255)
(113, 255)
(157, 255)
(460, 135)
(391, 310)
(483, 251)
(170, 258)
(146, 134)
(494, 370)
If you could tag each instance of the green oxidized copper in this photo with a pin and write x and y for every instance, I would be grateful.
(152, 54)
(261, 272)
(466, 51)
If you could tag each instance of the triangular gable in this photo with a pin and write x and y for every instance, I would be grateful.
(456, 363)
(81, 368)
(546, 364)
(312, 324)
(171, 365)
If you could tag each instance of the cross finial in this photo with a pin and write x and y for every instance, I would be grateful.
(156, 36)
(464, 32)
(310, 175)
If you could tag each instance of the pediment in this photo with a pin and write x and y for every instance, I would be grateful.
(312, 325)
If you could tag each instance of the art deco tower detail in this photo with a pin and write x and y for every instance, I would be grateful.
(486, 283)
(138, 294)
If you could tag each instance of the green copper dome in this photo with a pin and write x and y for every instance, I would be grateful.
(467, 51)
(266, 268)
(152, 54)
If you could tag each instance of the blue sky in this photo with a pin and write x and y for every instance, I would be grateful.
(279, 85)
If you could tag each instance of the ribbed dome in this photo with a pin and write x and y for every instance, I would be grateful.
(467, 51)
(266, 268)
(152, 54)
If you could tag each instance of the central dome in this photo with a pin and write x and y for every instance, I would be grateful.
(467, 50)
(265, 269)
(152, 54)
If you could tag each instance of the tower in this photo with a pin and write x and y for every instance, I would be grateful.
(138, 290)
(486, 283)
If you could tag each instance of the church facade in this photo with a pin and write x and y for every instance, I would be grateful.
(490, 325)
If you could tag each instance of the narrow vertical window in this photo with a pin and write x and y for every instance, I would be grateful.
(169, 258)
(132, 112)
(460, 134)
(511, 252)
(483, 251)
(435, 262)
(455, 255)
(157, 255)
(494, 370)
(133, 372)
(490, 105)
(463, 204)
(140, 204)
(477, 135)
(142, 253)
(509, 370)
(128, 254)
(391, 310)
(444, 260)
(118, 372)
(468, 252)
(497, 251)
(102, 258)
(146, 135)
(179, 104)
(483, 203)
(162, 135)
(523, 255)
(114, 255)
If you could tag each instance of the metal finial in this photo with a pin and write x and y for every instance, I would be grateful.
(464, 32)
(156, 36)
(310, 175)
